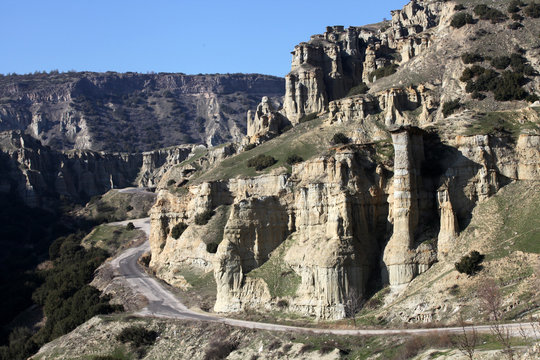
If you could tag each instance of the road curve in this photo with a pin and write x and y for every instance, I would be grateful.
(162, 303)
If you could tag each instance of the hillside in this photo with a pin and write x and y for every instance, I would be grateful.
(131, 112)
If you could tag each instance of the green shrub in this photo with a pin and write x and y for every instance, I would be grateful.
(137, 336)
(508, 87)
(171, 182)
(487, 13)
(472, 72)
(129, 208)
(130, 226)
(204, 217)
(340, 138)
(250, 147)
(450, 107)
(212, 247)
(469, 264)
(519, 65)
(261, 162)
(294, 159)
(470, 58)
(515, 26)
(478, 95)
(517, 17)
(514, 6)
(532, 98)
(500, 62)
(461, 19)
(178, 229)
(533, 10)
(358, 90)
(383, 72)
(459, 7)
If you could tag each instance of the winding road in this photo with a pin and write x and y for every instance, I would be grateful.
(162, 303)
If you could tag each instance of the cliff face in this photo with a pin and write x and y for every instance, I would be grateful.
(39, 174)
(131, 112)
(348, 219)
(343, 221)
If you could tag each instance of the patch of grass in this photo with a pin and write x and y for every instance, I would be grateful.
(202, 292)
(110, 238)
(500, 122)
(280, 278)
(304, 140)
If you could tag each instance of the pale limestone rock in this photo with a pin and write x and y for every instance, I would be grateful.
(265, 124)
(355, 108)
(255, 228)
(449, 228)
(400, 258)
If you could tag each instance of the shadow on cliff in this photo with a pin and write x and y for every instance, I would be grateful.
(445, 165)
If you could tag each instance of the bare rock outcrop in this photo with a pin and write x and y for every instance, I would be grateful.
(265, 124)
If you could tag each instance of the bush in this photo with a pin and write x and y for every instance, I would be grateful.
(220, 349)
(204, 217)
(532, 98)
(470, 264)
(212, 247)
(533, 10)
(450, 107)
(500, 62)
(261, 162)
(358, 90)
(461, 19)
(250, 147)
(508, 87)
(171, 182)
(294, 159)
(178, 229)
(487, 13)
(130, 226)
(514, 6)
(515, 26)
(459, 7)
(469, 58)
(282, 304)
(340, 138)
(517, 17)
(137, 336)
(383, 72)
(472, 72)
(129, 208)
(478, 95)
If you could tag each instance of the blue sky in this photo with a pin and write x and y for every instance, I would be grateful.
(169, 36)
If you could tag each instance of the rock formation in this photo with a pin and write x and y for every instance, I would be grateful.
(265, 124)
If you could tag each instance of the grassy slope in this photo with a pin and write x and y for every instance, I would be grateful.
(111, 238)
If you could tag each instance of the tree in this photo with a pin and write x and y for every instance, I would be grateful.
(467, 340)
(130, 226)
(353, 303)
(491, 299)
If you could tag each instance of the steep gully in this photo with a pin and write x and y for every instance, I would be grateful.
(162, 303)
